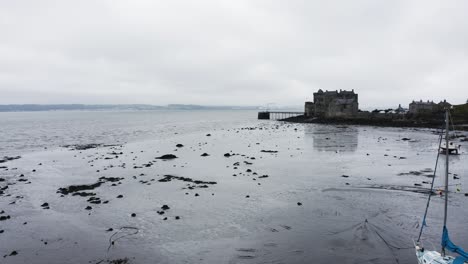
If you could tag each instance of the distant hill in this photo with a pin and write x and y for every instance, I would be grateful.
(61, 107)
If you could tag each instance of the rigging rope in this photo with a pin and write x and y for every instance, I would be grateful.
(432, 187)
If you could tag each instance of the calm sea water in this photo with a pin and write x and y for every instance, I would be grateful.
(22, 132)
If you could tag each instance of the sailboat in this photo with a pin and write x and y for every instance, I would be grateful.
(435, 257)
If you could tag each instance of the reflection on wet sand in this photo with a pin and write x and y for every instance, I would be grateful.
(332, 138)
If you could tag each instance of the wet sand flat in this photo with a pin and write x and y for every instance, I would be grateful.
(269, 192)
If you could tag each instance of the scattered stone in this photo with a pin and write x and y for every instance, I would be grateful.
(165, 207)
(205, 155)
(208, 135)
(299, 203)
(6, 158)
(133, 215)
(82, 146)
(88, 207)
(179, 145)
(344, 176)
(227, 155)
(119, 196)
(247, 196)
(177, 217)
(405, 139)
(168, 178)
(197, 194)
(77, 188)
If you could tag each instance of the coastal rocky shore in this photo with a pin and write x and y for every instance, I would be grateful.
(383, 122)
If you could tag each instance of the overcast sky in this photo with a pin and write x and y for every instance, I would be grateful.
(238, 52)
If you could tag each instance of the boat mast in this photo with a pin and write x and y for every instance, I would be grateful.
(446, 168)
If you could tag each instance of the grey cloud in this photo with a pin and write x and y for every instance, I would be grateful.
(232, 52)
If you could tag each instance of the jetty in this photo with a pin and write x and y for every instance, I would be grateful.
(278, 115)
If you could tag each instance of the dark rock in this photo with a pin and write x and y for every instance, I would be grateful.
(205, 155)
(208, 135)
(179, 145)
(14, 253)
(167, 157)
(269, 151)
(299, 203)
(406, 139)
(165, 207)
(119, 196)
(94, 200)
(83, 194)
(344, 176)
(88, 207)
(247, 196)
(133, 215)
(4, 217)
(109, 230)
(177, 217)
(227, 155)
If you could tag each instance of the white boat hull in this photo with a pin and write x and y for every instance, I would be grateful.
(432, 257)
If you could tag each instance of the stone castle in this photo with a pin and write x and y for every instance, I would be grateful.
(331, 104)
(421, 107)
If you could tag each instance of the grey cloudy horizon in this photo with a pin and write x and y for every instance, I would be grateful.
(243, 52)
